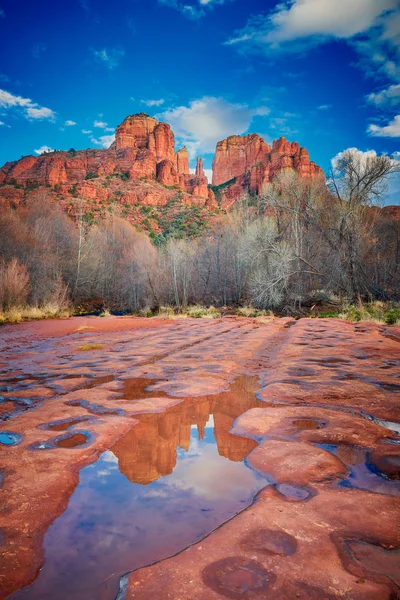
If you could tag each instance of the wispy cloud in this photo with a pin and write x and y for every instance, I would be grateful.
(69, 123)
(388, 96)
(109, 57)
(43, 150)
(104, 141)
(103, 125)
(391, 130)
(204, 122)
(38, 49)
(193, 10)
(86, 131)
(153, 102)
(324, 106)
(29, 109)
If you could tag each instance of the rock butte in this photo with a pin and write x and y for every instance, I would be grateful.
(152, 171)
(325, 388)
(248, 162)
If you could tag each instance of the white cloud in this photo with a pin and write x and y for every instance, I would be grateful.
(206, 121)
(104, 141)
(40, 113)
(388, 96)
(69, 123)
(44, 150)
(8, 100)
(110, 57)
(392, 129)
(310, 22)
(153, 102)
(208, 174)
(86, 131)
(103, 125)
(324, 107)
(30, 110)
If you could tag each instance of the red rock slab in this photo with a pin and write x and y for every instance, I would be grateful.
(296, 463)
(59, 327)
(333, 363)
(6, 407)
(310, 424)
(38, 392)
(385, 459)
(364, 558)
(282, 550)
(38, 482)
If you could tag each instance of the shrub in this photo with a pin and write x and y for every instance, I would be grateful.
(199, 312)
(392, 316)
(14, 284)
(91, 175)
(73, 190)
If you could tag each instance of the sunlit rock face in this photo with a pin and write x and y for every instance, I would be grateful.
(144, 149)
(251, 163)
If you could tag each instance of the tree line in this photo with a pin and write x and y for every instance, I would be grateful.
(296, 241)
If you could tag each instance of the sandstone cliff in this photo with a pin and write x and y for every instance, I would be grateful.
(142, 170)
(143, 149)
(248, 162)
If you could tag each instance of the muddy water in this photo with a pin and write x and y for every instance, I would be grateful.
(171, 480)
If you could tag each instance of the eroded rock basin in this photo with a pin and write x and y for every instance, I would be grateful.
(141, 445)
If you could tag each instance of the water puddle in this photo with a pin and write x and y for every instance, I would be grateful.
(72, 441)
(10, 438)
(363, 475)
(171, 480)
(64, 424)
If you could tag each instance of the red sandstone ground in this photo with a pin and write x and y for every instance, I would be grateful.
(329, 404)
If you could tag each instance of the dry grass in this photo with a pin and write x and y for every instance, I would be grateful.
(18, 314)
(250, 311)
(376, 312)
(88, 347)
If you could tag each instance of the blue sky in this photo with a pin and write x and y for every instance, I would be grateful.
(321, 72)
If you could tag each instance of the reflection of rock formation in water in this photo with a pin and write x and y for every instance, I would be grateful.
(148, 451)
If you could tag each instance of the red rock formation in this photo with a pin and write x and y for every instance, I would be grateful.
(252, 162)
(199, 168)
(236, 155)
(144, 149)
(166, 173)
(182, 161)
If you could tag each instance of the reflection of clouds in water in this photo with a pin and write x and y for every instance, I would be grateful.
(103, 468)
(210, 476)
(159, 493)
(109, 456)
